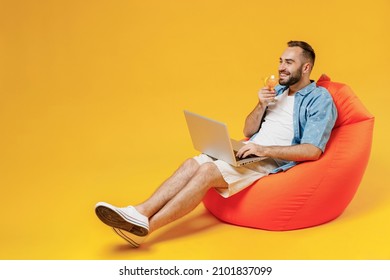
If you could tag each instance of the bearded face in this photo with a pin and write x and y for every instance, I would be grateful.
(291, 66)
(290, 77)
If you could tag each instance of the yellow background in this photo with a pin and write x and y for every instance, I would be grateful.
(91, 90)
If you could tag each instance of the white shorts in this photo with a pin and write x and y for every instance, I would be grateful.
(238, 178)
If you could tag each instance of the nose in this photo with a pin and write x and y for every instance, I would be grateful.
(282, 66)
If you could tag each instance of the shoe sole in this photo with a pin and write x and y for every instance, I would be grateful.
(117, 220)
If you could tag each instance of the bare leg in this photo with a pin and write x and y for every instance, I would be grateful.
(169, 188)
(189, 196)
(176, 197)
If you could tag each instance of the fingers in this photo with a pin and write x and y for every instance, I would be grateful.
(241, 152)
(251, 149)
(246, 150)
(266, 95)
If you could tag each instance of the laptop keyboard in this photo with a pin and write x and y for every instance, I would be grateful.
(238, 158)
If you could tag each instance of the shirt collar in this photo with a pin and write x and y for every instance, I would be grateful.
(304, 91)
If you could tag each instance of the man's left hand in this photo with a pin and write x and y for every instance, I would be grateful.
(251, 149)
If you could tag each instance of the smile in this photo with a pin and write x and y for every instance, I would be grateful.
(283, 75)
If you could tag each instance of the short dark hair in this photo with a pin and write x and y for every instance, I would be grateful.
(307, 50)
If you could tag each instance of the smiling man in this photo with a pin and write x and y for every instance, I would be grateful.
(288, 125)
(294, 93)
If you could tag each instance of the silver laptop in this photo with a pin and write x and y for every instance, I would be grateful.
(212, 138)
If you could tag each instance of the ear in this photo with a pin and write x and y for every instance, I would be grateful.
(306, 67)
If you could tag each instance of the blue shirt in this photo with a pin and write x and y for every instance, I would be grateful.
(313, 119)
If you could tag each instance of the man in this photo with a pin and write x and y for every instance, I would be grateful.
(290, 124)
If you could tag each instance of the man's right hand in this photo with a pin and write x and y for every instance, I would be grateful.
(266, 95)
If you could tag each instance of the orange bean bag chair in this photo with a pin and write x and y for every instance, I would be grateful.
(310, 193)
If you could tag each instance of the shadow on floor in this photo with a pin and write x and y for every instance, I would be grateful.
(194, 224)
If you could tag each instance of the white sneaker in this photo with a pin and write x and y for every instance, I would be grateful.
(133, 239)
(126, 218)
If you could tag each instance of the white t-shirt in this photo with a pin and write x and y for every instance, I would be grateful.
(277, 128)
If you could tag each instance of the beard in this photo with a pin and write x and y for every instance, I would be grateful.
(293, 78)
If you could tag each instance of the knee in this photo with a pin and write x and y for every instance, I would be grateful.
(190, 164)
(208, 169)
(211, 176)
